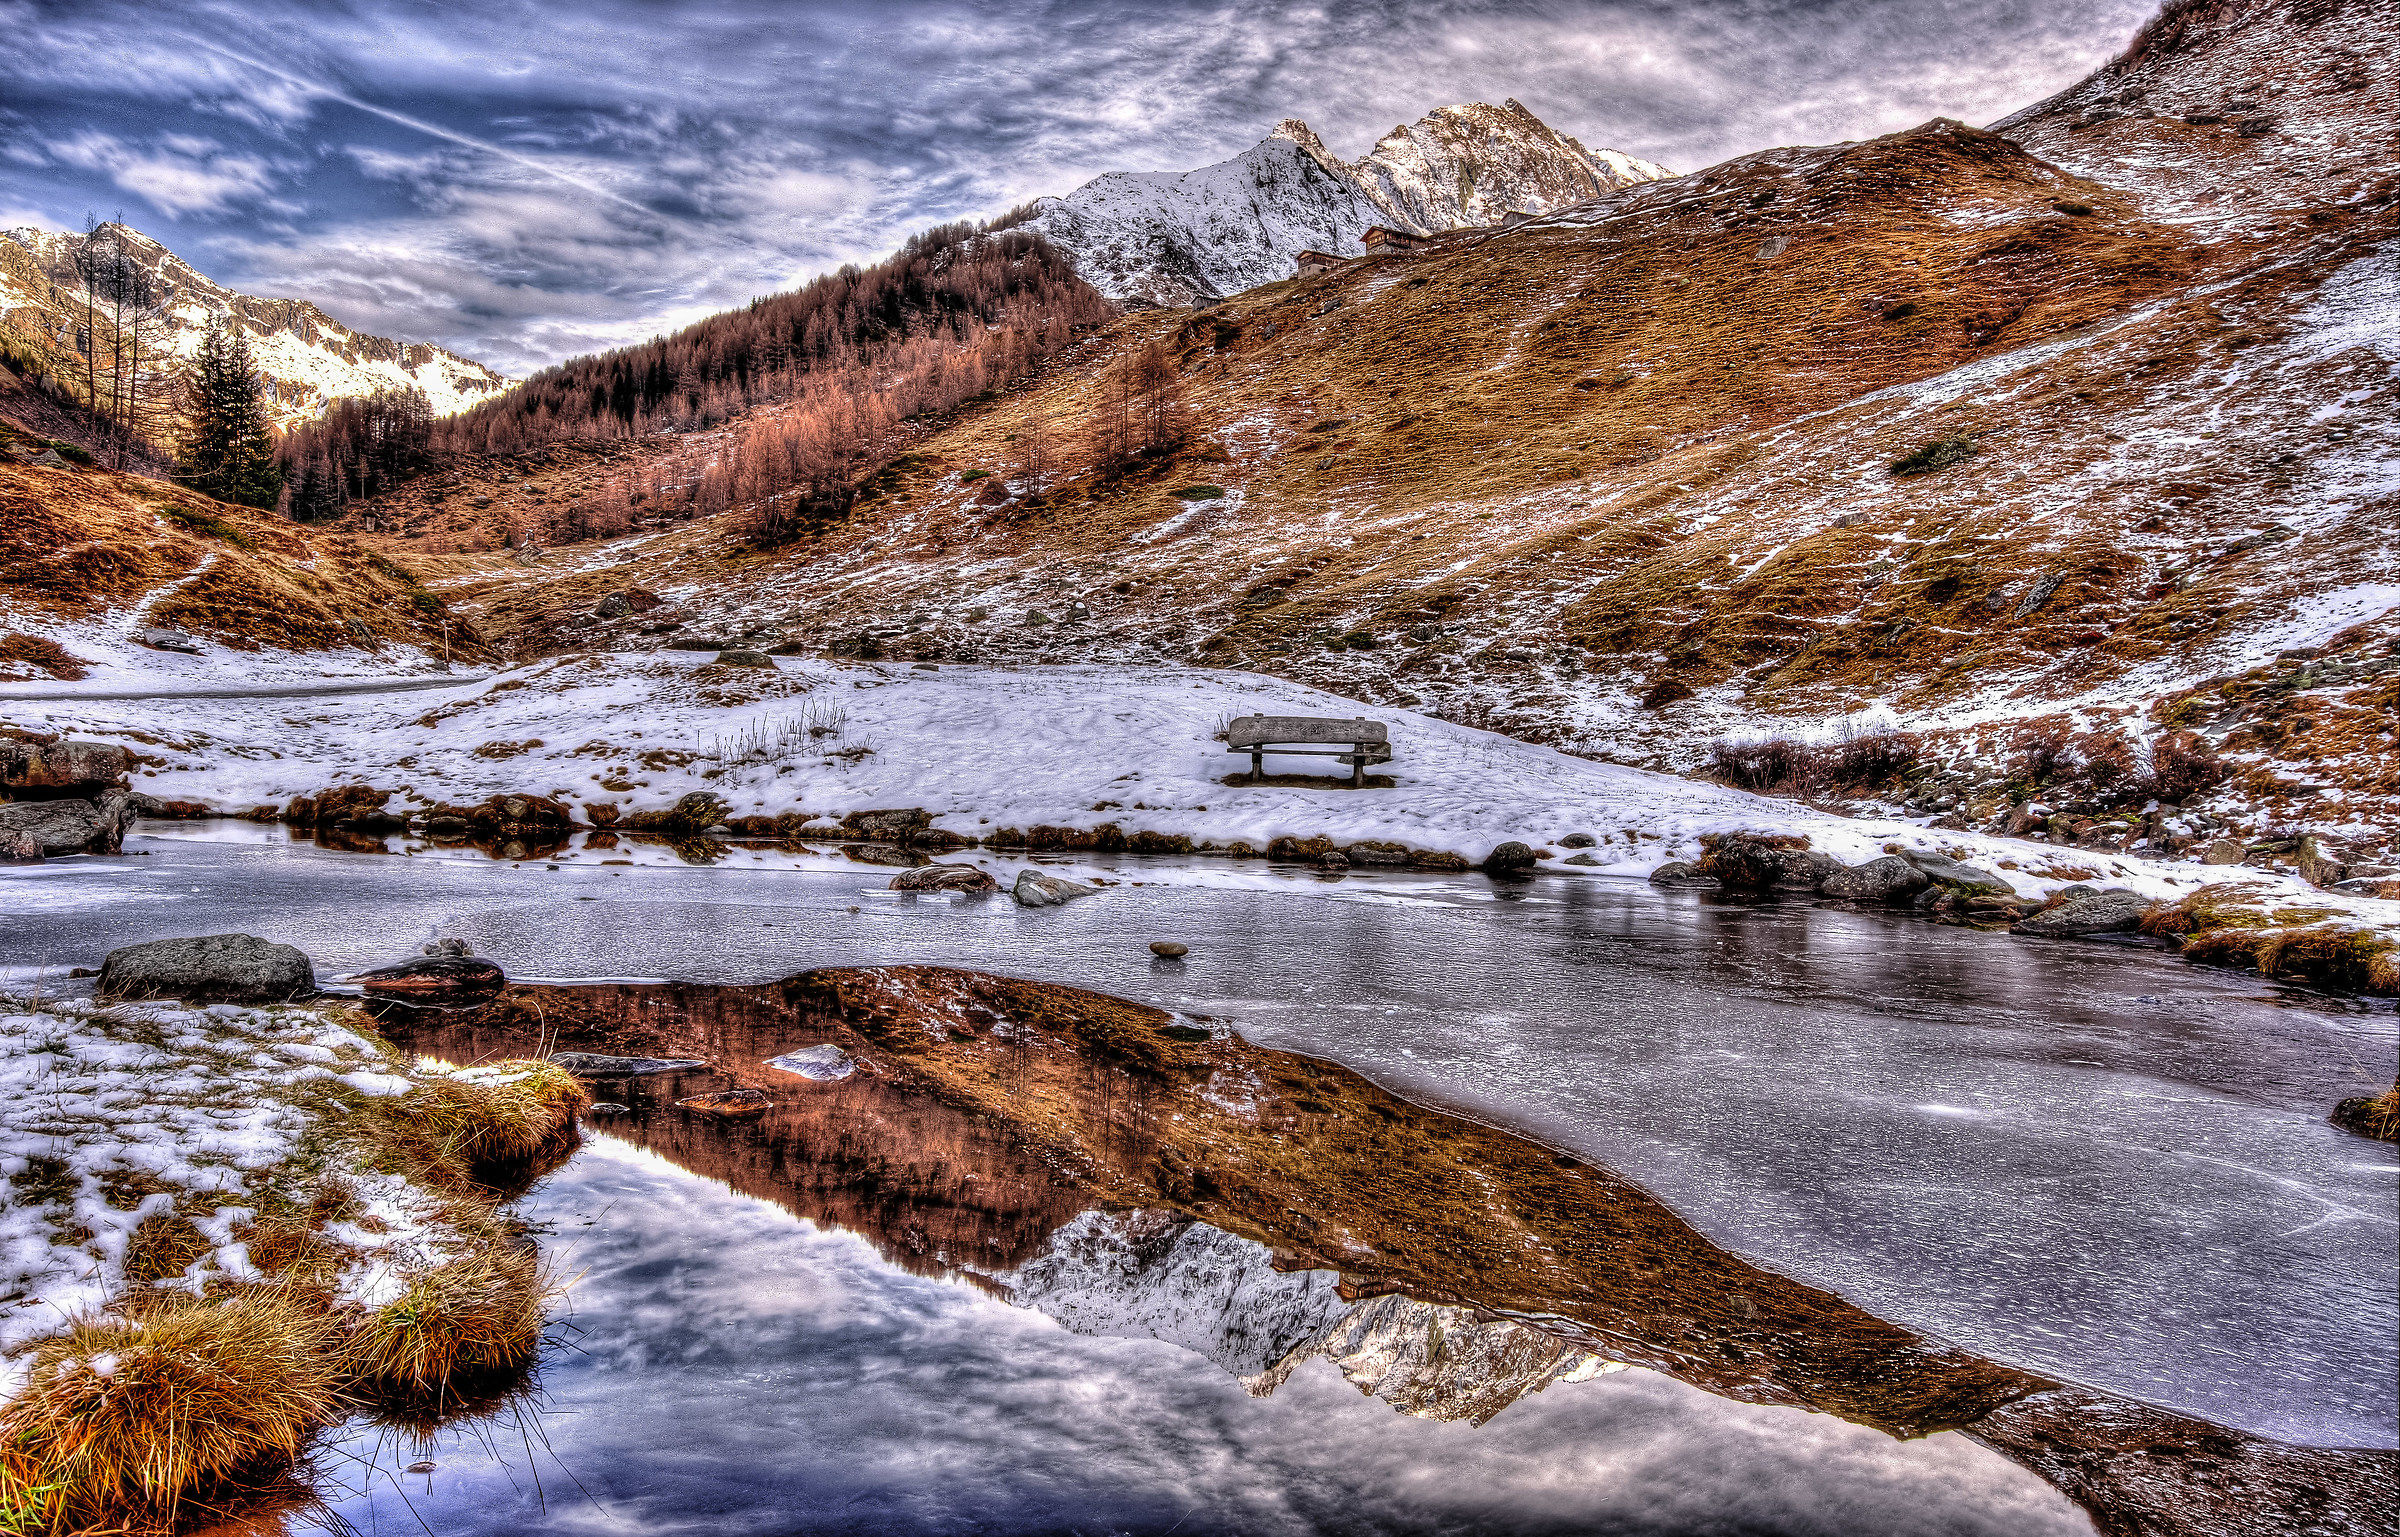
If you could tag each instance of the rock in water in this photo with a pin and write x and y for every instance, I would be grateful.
(946, 878)
(2376, 1116)
(1037, 890)
(821, 1064)
(1889, 879)
(1170, 949)
(1509, 859)
(449, 947)
(434, 977)
(1957, 879)
(1680, 872)
(2114, 911)
(1807, 869)
(592, 1064)
(211, 968)
(608, 1107)
(733, 1104)
(66, 826)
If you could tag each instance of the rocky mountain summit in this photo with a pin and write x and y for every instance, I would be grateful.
(1187, 237)
(311, 358)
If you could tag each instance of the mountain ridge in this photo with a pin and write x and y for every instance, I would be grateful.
(1185, 237)
(310, 358)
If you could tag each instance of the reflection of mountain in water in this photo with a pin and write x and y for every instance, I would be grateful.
(1157, 1275)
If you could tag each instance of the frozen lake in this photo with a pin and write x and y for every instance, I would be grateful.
(2085, 1160)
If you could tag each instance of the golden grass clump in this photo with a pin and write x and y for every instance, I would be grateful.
(135, 1416)
(473, 1126)
(2347, 960)
(478, 1314)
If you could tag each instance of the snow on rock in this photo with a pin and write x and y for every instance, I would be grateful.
(1183, 237)
(311, 358)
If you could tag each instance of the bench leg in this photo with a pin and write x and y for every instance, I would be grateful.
(1258, 765)
(1358, 771)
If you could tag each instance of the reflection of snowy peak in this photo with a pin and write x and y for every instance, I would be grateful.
(310, 357)
(1178, 237)
(1156, 1275)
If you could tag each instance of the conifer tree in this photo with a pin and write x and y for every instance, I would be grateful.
(228, 451)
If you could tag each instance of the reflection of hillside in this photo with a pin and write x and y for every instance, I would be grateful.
(1108, 1164)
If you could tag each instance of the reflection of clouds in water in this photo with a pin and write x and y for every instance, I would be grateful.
(742, 1372)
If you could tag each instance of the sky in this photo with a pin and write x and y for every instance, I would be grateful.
(525, 180)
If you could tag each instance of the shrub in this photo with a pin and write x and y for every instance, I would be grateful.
(2182, 766)
(1937, 455)
(73, 453)
(1875, 759)
(2108, 761)
(2038, 750)
(137, 1415)
(1765, 765)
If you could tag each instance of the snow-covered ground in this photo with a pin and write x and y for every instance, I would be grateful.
(111, 1116)
(986, 748)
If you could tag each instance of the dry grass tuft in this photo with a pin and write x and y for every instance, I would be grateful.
(480, 1314)
(481, 1127)
(2225, 905)
(19, 651)
(128, 1419)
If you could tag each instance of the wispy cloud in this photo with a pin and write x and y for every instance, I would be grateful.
(522, 178)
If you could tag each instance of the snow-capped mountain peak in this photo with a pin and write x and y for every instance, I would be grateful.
(1187, 237)
(310, 358)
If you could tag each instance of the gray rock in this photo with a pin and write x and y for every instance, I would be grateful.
(945, 878)
(614, 606)
(1037, 890)
(452, 946)
(593, 1064)
(434, 976)
(1957, 879)
(2114, 911)
(1511, 859)
(1581, 859)
(1169, 949)
(1889, 879)
(20, 849)
(1577, 841)
(211, 968)
(819, 1064)
(158, 639)
(744, 658)
(1680, 872)
(68, 826)
(48, 459)
(1807, 869)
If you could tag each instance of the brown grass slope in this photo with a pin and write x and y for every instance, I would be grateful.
(1642, 449)
(79, 542)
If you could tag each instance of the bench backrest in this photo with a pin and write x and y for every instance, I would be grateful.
(1258, 730)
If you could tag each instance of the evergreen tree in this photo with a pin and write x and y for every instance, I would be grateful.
(228, 451)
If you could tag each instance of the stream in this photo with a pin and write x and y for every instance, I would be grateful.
(2090, 1161)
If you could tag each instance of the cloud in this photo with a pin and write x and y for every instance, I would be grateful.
(518, 177)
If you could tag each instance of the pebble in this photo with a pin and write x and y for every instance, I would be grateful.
(1169, 948)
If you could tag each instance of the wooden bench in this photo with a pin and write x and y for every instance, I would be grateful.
(1366, 740)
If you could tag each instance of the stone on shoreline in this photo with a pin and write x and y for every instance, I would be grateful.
(434, 976)
(1511, 860)
(1889, 879)
(1034, 889)
(2114, 911)
(946, 878)
(592, 1064)
(210, 968)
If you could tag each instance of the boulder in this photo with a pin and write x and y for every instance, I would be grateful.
(1807, 869)
(902, 827)
(437, 977)
(2114, 911)
(1375, 852)
(614, 606)
(1577, 841)
(1889, 879)
(731, 1104)
(210, 968)
(2222, 851)
(1957, 879)
(593, 1064)
(1585, 860)
(1680, 872)
(744, 658)
(168, 640)
(1511, 860)
(69, 826)
(1313, 850)
(448, 946)
(18, 848)
(1034, 889)
(946, 878)
(690, 814)
(59, 765)
(819, 1064)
